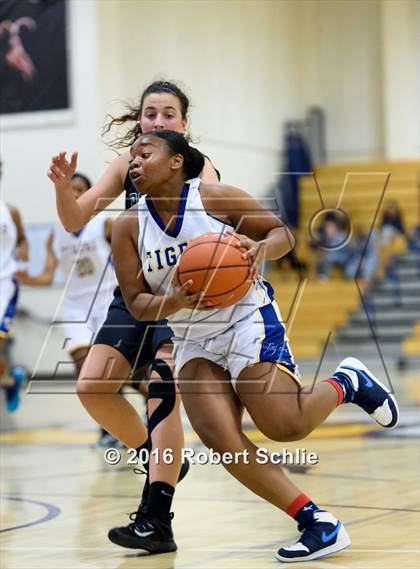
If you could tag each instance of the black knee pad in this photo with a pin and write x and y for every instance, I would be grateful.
(164, 390)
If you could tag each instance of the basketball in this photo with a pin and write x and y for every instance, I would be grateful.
(215, 265)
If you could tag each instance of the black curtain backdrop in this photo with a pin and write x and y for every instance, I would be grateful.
(33, 56)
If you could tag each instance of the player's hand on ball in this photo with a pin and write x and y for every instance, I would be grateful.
(254, 252)
(61, 170)
(183, 299)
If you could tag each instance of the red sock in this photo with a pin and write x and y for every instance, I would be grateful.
(302, 509)
(297, 505)
(338, 388)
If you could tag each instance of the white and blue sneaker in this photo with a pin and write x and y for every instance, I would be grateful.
(365, 390)
(325, 536)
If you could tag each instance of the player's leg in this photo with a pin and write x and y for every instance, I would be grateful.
(151, 528)
(213, 409)
(284, 412)
(215, 412)
(104, 372)
(4, 368)
(271, 397)
(107, 368)
(78, 356)
(163, 408)
(280, 408)
(12, 378)
(291, 413)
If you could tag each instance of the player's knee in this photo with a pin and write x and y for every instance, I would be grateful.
(162, 401)
(160, 389)
(294, 432)
(209, 432)
(86, 387)
(285, 431)
(83, 392)
(83, 389)
(202, 428)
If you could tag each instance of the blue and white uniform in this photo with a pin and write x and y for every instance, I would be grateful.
(8, 266)
(85, 264)
(236, 337)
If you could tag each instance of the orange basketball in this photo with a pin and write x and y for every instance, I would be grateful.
(215, 265)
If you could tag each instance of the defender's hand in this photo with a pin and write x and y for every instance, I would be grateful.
(61, 171)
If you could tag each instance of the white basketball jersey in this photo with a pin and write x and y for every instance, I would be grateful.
(8, 241)
(84, 261)
(159, 250)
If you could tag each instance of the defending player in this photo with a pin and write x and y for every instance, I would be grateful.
(83, 259)
(123, 341)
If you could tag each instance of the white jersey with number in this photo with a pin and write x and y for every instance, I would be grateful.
(159, 250)
(8, 241)
(84, 260)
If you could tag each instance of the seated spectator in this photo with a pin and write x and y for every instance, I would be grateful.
(336, 251)
(364, 254)
(392, 242)
(391, 224)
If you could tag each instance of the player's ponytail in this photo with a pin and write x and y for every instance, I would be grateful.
(193, 163)
(177, 144)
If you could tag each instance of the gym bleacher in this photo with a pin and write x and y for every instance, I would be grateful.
(335, 305)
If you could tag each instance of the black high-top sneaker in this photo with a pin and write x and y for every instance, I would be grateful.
(130, 535)
(145, 532)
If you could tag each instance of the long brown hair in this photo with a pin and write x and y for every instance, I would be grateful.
(133, 112)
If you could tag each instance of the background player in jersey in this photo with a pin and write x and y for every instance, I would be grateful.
(83, 261)
(130, 344)
(13, 247)
(224, 358)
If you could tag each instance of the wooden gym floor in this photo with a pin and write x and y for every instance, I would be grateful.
(59, 497)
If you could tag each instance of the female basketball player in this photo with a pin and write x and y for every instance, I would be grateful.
(83, 258)
(13, 247)
(236, 357)
(123, 343)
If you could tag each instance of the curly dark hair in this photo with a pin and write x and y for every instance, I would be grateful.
(133, 111)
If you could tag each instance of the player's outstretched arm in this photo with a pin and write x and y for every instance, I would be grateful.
(142, 304)
(75, 214)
